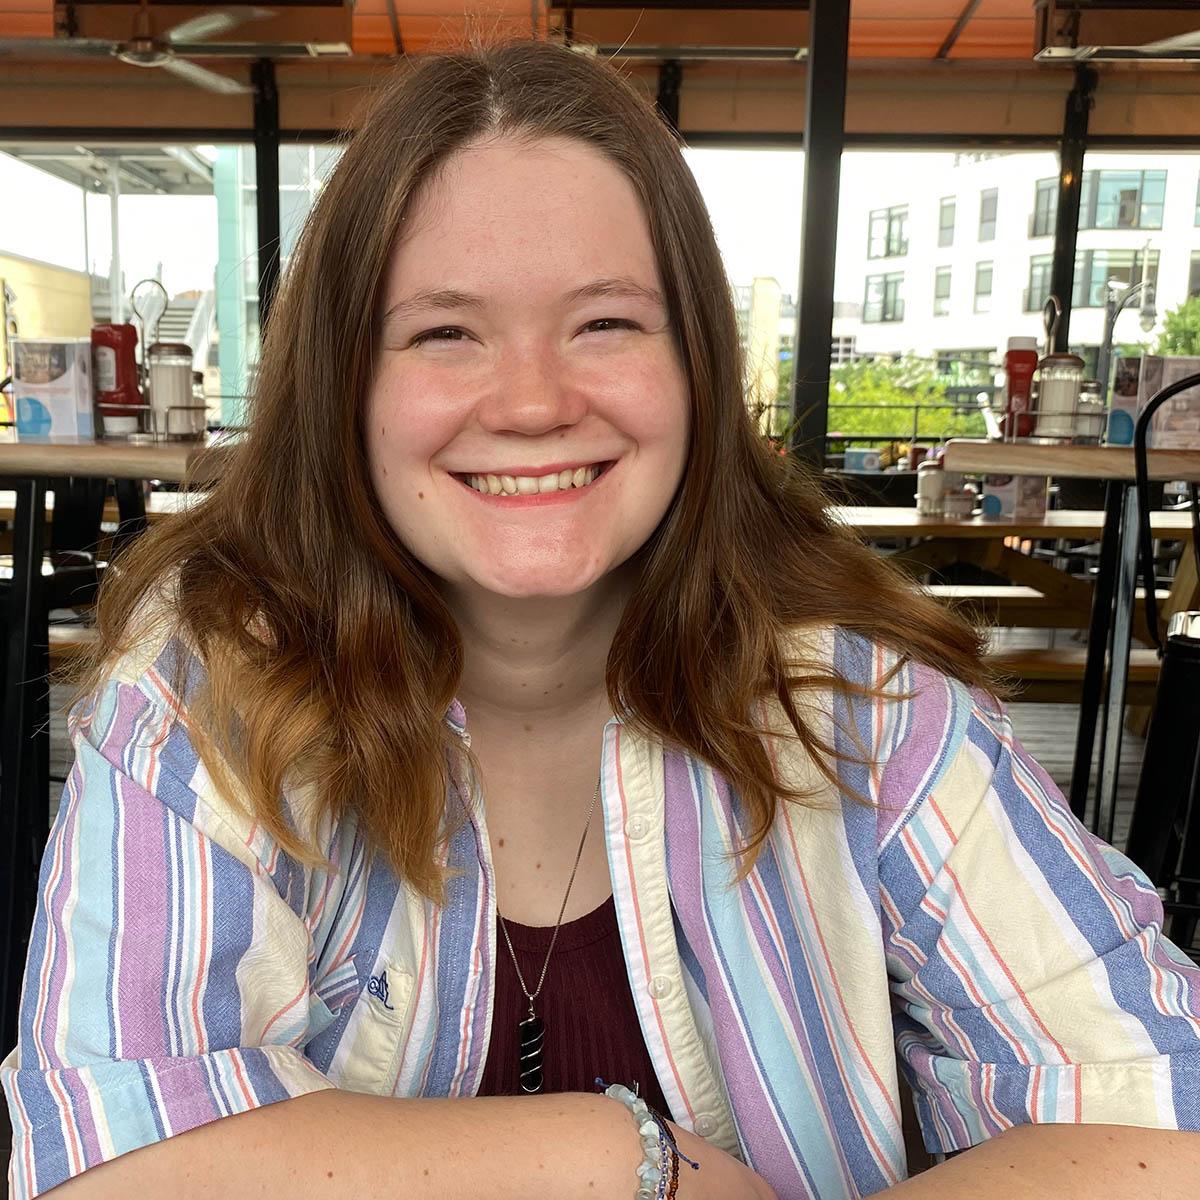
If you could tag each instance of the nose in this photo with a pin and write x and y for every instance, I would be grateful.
(530, 393)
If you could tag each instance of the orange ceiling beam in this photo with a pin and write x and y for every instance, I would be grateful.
(26, 18)
(432, 24)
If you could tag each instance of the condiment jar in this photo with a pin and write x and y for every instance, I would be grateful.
(1060, 380)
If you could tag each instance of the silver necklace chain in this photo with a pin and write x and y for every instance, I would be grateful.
(558, 923)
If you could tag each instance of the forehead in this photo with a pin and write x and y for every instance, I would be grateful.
(510, 205)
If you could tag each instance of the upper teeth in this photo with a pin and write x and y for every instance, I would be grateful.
(530, 485)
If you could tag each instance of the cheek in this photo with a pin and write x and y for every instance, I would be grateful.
(410, 418)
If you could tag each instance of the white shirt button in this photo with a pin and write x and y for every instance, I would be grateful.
(661, 987)
(636, 828)
(706, 1124)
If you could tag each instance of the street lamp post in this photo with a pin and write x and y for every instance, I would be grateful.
(1117, 301)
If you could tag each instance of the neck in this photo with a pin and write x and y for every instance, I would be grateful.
(536, 658)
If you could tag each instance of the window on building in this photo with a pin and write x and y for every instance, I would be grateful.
(1038, 292)
(1045, 207)
(888, 236)
(983, 287)
(987, 214)
(1122, 199)
(941, 292)
(946, 220)
(1094, 268)
(1194, 275)
(883, 300)
(972, 367)
(1197, 217)
(843, 350)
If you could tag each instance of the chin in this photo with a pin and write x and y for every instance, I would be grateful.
(546, 584)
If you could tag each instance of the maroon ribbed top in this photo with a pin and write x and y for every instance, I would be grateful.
(591, 1024)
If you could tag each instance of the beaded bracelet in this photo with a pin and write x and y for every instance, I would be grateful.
(658, 1173)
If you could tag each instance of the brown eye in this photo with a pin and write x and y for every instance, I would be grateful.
(610, 323)
(447, 333)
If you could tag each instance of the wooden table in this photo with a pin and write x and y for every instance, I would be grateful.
(940, 542)
(24, 752)
(1106, 672)
(1079, 524)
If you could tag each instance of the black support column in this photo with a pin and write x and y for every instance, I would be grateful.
(266, 168)
(1070, 189)
(824, 134)
(670, 78)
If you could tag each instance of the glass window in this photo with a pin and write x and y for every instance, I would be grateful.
(1196, 219)
(1094, 269)
(941, 292)
(1194, 275)
(973, 367)
(887, 232)
(883, 299)
(66, 264)
(987, 214)
(1045, 208)
(1122, 199)
(1037, 293)
(946, 221)
(983, 287)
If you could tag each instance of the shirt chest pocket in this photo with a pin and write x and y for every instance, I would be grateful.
(376, 1031)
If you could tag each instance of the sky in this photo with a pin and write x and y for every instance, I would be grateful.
(40, 217)
(753, 197)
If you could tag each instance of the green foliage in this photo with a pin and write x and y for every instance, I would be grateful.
(1181, 329)
(879, 397)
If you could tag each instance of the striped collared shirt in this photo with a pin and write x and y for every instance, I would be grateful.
(961, 934)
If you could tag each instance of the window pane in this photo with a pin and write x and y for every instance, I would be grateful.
(941, 292)
(946, 221)
(983, 287)
(987, 215)
(1045, 208)
(754, 198)
(186, 216)
(1038, 291)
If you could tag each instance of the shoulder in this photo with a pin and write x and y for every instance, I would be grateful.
(140, 741)
(897, 727)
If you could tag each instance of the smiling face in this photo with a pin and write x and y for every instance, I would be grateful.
(524, 337)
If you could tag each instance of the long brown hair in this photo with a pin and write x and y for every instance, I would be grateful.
(330, 656)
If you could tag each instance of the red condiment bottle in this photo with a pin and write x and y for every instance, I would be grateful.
(1020, 362)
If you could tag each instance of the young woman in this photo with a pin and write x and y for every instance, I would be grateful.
(510, 716)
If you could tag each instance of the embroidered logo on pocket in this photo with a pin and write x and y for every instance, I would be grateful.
(377, 986)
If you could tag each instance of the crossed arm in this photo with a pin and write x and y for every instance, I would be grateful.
(1066, 1162)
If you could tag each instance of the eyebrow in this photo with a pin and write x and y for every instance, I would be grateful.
(618, 287)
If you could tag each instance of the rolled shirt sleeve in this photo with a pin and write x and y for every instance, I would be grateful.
(167, 982)
(1030, 976)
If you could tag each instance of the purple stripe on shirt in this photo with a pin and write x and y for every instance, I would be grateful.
(141, 985)
(767, 1147)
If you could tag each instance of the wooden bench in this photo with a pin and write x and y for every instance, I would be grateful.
(1056, 675)
(1019, 607)
(68, 643)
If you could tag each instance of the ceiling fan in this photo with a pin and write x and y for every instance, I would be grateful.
(1078, 31)
(174, 49)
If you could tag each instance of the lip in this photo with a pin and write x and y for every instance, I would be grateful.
(538, 472)
(539, 499)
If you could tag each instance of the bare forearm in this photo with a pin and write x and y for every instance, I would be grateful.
(1066, 1162)
(338, 1144)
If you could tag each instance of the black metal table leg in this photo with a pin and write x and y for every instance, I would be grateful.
(25, 748)
(1118, 674)
(131, 509)
(1093, 674)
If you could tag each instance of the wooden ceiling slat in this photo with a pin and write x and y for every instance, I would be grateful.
(26, 18)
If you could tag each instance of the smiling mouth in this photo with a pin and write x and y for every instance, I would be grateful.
(489, 484)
